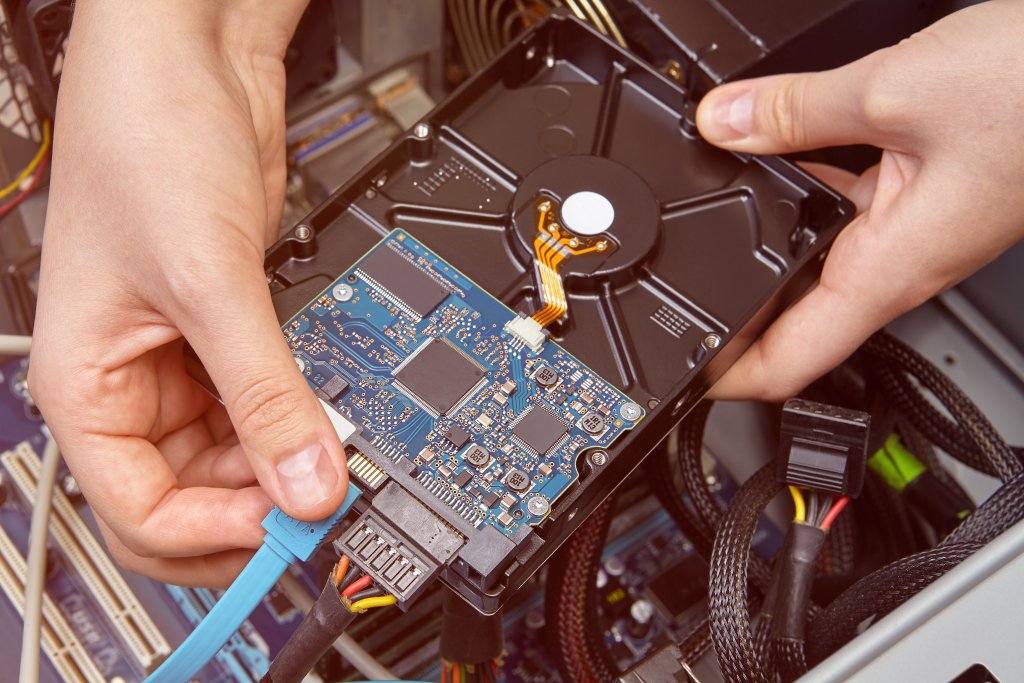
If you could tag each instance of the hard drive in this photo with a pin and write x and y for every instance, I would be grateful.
(702, 249)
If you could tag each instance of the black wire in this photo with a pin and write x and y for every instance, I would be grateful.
(353, 573)
(371, 592)
(327, 619)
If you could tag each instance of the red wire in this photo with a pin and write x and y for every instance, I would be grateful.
(33, 184)
(357, 585)
(837, 507)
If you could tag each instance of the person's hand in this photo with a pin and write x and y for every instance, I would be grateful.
(946, 108)
(168, 183)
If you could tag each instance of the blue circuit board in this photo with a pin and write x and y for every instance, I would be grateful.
(504, 446)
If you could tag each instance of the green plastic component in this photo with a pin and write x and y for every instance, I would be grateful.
(894, 463)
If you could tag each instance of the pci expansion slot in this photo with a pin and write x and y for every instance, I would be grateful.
(88, 559)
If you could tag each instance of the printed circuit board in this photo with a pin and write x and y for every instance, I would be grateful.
(435, 370)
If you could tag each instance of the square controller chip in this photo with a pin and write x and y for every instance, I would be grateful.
(438, 376)
(540, 429)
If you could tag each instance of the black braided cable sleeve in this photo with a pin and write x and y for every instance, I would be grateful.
(788, 658)
(570, 603)
(879, 593)
(916, 409)
(662, 480)
(1003, 509)
(696, 643)
(922, 448)
(968, 416)
(883, 590)
(691, 443)
(727, 595)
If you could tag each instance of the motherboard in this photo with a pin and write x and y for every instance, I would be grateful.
(438, 372)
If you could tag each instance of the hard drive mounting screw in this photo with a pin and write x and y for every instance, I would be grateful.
(342, 292)
(598, 458)
(630, 411)
(712, 341)
(303, 232)
(421, 131)
(538, 506)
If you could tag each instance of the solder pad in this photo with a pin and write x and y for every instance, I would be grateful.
(425, 358)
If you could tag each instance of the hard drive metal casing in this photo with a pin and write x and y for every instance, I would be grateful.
(710, 245)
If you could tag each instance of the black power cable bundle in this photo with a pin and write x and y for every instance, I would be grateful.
(771, 648)
(347, 593)
(570, 603)
(472, 643)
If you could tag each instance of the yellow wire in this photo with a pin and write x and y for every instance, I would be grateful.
(798, 503)
(378, 601)
(32, 165)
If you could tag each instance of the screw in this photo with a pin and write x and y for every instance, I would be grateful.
(421, 131)
(630, 411)
(370, 193)
(342, 292)
(712, 341)
(538, 506)
(598, 458)
(303, 232)
(652, 403)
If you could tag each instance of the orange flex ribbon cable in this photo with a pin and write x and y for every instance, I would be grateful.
(552, 247)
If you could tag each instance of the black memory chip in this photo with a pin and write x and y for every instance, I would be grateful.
(439, 376)
(404, 281)
(539, 429)
(457, 436)
(463, 478)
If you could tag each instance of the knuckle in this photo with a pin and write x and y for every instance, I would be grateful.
(785, 113)
(881, 102)
(267, 408)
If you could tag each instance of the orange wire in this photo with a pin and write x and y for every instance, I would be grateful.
(340, 569)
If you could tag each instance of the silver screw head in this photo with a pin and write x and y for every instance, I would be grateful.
(598, 458)
(712, 341)
(421, 131)
(630, 411)
(303, 232)
(538, 506)
(342, 292)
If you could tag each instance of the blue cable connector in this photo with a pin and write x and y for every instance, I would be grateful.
(287, 540)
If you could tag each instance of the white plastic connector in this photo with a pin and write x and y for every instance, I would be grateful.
(528, 331)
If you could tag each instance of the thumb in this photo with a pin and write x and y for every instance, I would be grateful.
(282, 427)
(792, 112)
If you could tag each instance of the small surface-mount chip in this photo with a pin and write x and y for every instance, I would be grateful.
(457, 436)
(413, 288)
(463, 478)
(332, 389)
(539, 429)
(438, 376)
(490, 499)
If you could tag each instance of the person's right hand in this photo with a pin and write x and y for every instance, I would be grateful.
(947, 198)
(168, 182)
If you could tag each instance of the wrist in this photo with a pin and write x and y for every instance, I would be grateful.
(240, 29)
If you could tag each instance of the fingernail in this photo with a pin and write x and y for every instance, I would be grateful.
(731, 117)
(307, 478)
